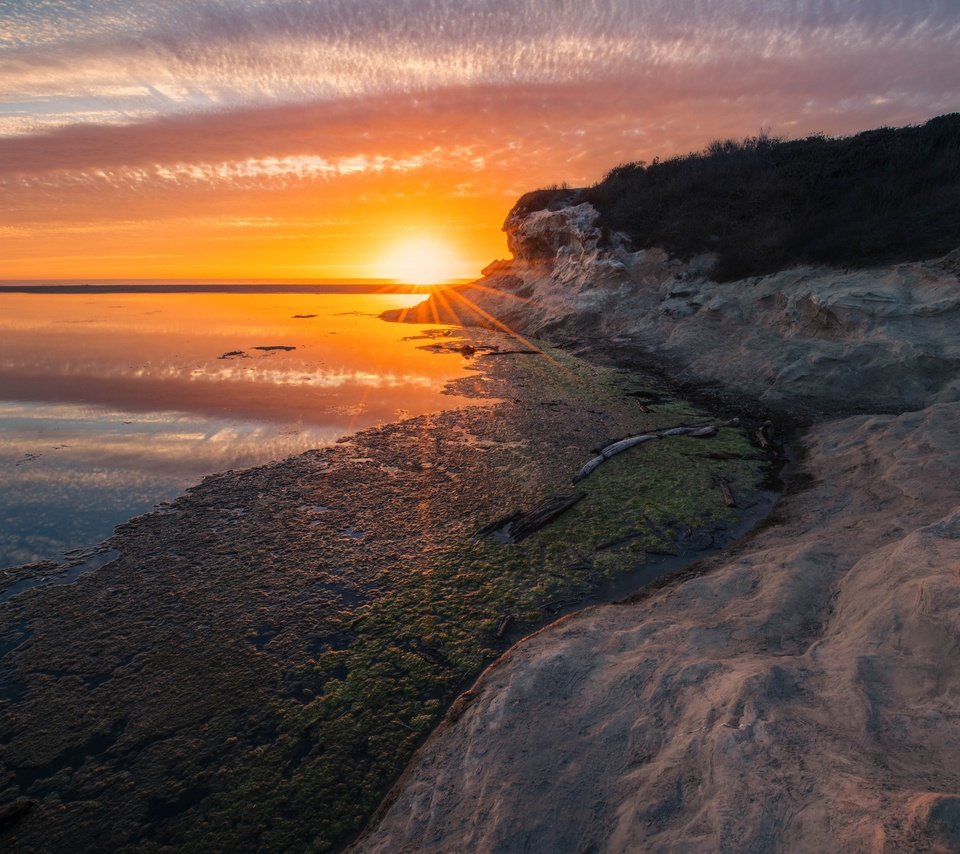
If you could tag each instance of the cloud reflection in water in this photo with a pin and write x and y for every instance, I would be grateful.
(102, 420)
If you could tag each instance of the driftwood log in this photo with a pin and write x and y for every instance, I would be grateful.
(765, 435)
(624, 444)
(517, 526)
(725, 491)
(696, 431)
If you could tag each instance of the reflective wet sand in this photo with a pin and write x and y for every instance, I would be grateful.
(110, 403)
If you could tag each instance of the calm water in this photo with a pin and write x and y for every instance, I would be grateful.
(111, 403)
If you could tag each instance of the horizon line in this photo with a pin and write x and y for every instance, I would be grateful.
(196, 285)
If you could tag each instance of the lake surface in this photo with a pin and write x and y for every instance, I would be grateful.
(111, 403)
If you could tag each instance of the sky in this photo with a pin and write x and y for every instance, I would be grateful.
(336, 139)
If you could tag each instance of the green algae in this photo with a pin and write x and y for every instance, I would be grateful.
(414, 649)
(348, 630)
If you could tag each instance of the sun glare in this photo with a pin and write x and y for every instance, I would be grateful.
(422, 261)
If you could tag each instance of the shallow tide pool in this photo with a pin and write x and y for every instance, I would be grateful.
(113, 403)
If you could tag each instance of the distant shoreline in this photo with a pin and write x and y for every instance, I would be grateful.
(214, 288)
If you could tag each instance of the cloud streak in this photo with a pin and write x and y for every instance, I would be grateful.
(254, 109)
(178, 57)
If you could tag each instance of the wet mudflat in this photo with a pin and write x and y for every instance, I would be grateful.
(263, 656)
(113, 401)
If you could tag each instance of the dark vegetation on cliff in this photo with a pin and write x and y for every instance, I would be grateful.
(763, 204)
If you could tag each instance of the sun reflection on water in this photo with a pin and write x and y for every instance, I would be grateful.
(102, 419)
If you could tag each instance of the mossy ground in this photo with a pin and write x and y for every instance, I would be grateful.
(264, 659)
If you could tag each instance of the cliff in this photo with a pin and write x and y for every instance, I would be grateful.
(801, 692)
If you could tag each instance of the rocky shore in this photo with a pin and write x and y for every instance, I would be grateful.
(251, 666)
(801, 692)
(811, 341)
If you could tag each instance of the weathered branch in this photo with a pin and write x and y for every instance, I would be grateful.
(517, 526)
(696, 431)
(725, 491)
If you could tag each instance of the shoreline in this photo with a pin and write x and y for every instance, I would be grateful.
(138, 407)
(235, 609)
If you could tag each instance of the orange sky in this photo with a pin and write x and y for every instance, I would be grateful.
(260, 139)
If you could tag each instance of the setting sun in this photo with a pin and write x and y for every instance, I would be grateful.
(423, 261)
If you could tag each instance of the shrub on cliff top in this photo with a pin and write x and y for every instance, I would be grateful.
(763, 204)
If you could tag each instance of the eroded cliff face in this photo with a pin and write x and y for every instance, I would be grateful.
(802, 693)
(808, 340)
(541, 235)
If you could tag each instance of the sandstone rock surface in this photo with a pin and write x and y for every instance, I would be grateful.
(803, 694)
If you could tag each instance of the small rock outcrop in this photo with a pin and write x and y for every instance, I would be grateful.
(541, 235)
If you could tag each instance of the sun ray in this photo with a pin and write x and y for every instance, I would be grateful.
(498, 324)
(441, 297)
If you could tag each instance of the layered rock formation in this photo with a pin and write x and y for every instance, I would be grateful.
(803, 692)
